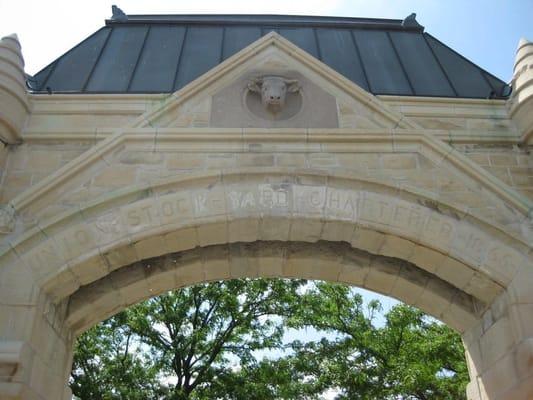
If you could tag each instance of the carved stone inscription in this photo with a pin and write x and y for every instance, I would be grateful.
(383, 213)
(293, 200)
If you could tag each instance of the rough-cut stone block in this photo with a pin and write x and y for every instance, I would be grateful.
(398, 161)
(367, 240)
(121, 256)
(355, 268)
(243, 230)
(152, 247)
(209, 234)
(216, 264)
(454, 272)
(500, 376)
(291, 160)
(181, 239)
(185, 161)
(118, 176)
(305, 230)
(496, 342)
(274, 228)
(521, 318)
(394, 246)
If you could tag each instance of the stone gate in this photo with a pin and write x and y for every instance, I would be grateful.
(350, 150)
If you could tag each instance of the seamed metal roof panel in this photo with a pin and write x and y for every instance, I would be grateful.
(156, 69)
(202, 51)
(72, 72)
(114, 68)
(466, 78)
(237, 38)
(162, 53)
(338, 50)
(425, 74)
(384, 70)
(303, 37)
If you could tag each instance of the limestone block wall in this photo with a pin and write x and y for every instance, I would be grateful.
(30, 163)
(511, 164)
(133, 164)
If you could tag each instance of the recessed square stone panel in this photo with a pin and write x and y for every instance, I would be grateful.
(236, 106)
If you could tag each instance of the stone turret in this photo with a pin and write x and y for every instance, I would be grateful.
(522, 96)
(14, 108)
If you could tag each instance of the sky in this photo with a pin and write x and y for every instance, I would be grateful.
(484, 31)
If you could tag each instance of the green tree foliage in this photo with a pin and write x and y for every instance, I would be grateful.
(106, 365)
(411, 356)
(200, 343)
(188, 340)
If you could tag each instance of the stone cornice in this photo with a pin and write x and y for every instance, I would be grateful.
(35, 135)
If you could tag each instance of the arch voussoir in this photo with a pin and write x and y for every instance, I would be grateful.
(335, 262)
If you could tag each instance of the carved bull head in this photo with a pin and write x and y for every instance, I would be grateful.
(273, 90)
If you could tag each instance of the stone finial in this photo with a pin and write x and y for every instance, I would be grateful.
(118, 14)
(524, 51)
(521, 101)
(13, 93)
(411, 22)
(522, 42)
(7, 218)
(12, 40)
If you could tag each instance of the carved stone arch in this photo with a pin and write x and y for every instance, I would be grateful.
(83, 265)
(323, 260)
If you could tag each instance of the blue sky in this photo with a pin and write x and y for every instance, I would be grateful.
(485, 31)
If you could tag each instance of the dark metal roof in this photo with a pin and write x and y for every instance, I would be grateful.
(162, 53)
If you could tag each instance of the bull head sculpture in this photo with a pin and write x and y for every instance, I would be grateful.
(273, 90)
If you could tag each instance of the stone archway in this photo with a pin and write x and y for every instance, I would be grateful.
(86, 265)
(387, 197)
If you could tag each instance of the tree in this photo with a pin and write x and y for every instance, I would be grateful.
(200, 343)
(411, 356)
(191, 338)
(106, 365)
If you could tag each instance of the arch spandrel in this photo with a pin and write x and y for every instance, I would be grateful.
(371, 158)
